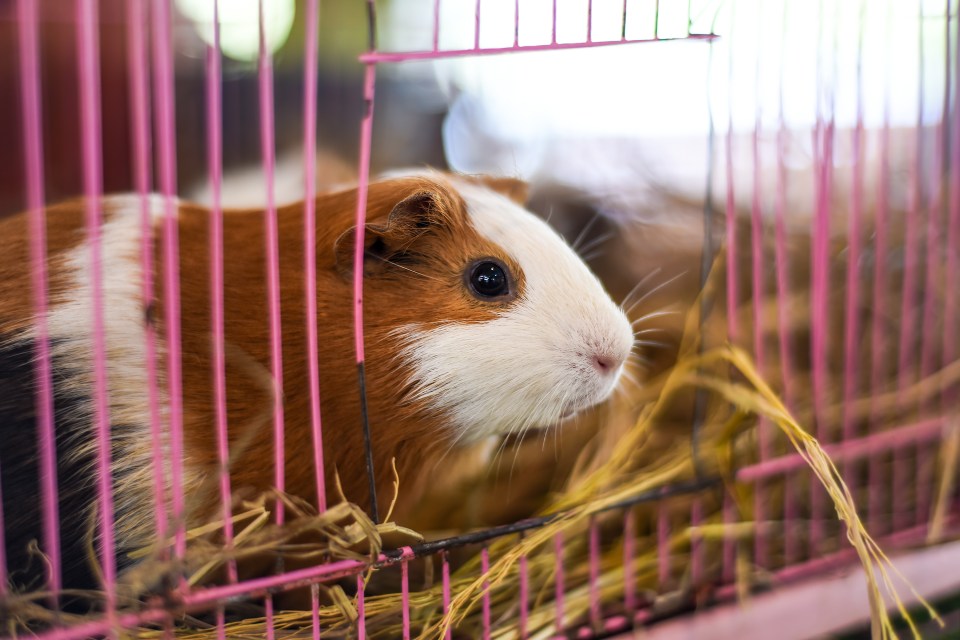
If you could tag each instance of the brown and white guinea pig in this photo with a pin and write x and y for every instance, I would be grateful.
(479, 321)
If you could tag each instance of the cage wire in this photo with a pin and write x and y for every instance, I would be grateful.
(824, 305)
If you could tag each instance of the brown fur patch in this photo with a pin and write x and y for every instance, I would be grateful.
(65, 230)
(427, 243)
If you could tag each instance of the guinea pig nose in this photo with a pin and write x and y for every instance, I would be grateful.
(605, 363)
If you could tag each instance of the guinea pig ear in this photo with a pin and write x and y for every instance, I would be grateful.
(376, 253)
(418, 211)
(385, 245)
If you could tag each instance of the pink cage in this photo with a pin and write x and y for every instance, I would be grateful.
(882, 226)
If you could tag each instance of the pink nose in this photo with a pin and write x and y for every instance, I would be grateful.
(605, 364)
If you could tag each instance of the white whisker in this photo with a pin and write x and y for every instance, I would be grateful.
(593, 244)
(636, 287)
(654, 290)
(650, 330)
(400, 266)
(583, 232)
(652, 343)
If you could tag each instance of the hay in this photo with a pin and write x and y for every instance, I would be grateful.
(626, 466)
(342, 532)
(950, 471)
(602, 489)
(629, 457)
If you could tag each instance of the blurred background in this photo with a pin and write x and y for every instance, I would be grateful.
(618, 124)
(626, 147)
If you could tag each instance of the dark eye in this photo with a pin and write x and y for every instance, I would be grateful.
(488, 279)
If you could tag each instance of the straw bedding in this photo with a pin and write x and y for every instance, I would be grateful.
(642, 441)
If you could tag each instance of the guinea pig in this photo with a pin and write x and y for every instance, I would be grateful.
(479, 322)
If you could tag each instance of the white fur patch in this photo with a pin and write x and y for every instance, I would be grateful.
(534, 363)
(70, 325)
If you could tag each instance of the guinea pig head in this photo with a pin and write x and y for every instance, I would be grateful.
(480, 320)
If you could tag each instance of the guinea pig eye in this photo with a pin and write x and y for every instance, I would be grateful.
(488, 279)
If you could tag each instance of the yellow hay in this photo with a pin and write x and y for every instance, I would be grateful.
(950, 458)
(600, 491)
(626, 461)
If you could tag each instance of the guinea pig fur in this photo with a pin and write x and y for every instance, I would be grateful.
(479, 321)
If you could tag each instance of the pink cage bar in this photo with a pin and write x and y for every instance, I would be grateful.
(879, 459)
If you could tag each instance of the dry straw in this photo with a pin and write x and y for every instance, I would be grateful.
(626, 460)
(626, 463)
(606, 487)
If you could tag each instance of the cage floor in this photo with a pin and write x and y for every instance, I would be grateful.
(818, 607)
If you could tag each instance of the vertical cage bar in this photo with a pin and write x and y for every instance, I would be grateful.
(781, 261)
(315, 611)
(366, 135)
(878, 480)
(445, 576)
(215, 163)
(33, 166)
(733, 328)
(820, 271)
(89, 74)
(268, 149)
(516, 23)
(485, 613)
(405, 596)
(553, 25)
(524, 594)
(953, 226)
(757, 252)
(139, 71)
(656, 20)
(623, 22)
(929, 360)
(221, 623)
(696, 543)
(559, 581)
(589, 20)
(485, 604)
(3, 551)
(929, 363)
(166, 134)
(851, 328)
(729, 551)
(436, 25)
(310, 240)
(928, 355)
(730, 213)
(757, 286)
(594, 568)
(361, 609)
(271, 632)
(663, 546)
(908, 325)
(476, 26)
(629, 564)
(819, 311)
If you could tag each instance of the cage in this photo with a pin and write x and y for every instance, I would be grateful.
(771, 190)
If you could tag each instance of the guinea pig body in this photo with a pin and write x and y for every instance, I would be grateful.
(479, 321)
